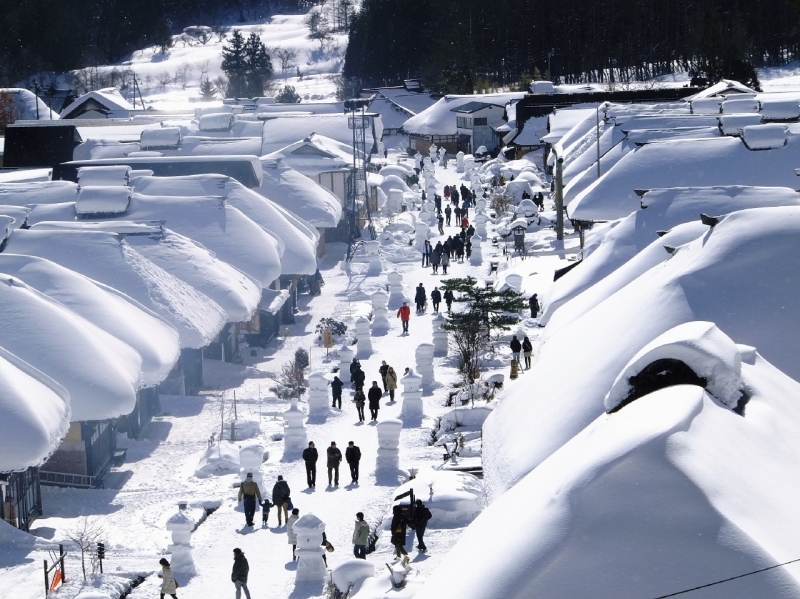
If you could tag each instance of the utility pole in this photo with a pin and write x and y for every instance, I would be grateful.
(597, 134)
(559, 198)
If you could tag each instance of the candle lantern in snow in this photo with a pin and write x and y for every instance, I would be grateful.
(424, 356)
(421, 230)
(181, 524)
(373, 258)
(460, 162)
(411, 396)
(317, 394)
(294, 434)
(439, 336)
(476, 257)
(345, 358)
(380, 315)
(396, 296)
(388, 444)
(364, 345)
(310, 566)
(251, 455)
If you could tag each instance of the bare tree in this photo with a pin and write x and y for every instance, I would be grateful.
(202, 68)
(221, 86)
(221, 31)
(182, 74)
(287, 57)
(86, 534)
(163, 79)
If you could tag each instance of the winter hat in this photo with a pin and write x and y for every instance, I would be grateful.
(280, 477)
(249, 475)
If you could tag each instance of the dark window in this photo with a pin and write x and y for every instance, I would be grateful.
(480, 121)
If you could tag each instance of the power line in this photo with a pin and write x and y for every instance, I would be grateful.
(711, 584)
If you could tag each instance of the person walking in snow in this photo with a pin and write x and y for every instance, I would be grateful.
(352, 456)
(516, 347)
(361, 401)
(420, 297)
(454, 195)
(440, 222)
(334, 459)
(459, 249)
(239, 574)
(426, 254)
(527, 351)
(435, 261)
(437, 202)
(457, 214)
(358, 379)
(291, 536)
(310, 457)
(168, 584)
(447, 192)
(383, 370)
(360, 537)
(266, 504)
(404, 314)
(436, 299)
(280, 498)
(468, 247)
(248, 491)
(447, 213)
(445, 262)
(374, 397)
(533, 302)
(354, 365)
(448, 298)
(336, 390)
(421, 517)
(391, 382)
(399, 529)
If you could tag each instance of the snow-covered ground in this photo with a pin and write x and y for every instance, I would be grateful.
(161, 468)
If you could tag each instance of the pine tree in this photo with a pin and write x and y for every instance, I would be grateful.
(234, 65)
(288, 95)
(207, 91)
(258, 65)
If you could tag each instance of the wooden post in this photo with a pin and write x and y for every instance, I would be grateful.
(559, 199)
(46, 579)
(63, 572)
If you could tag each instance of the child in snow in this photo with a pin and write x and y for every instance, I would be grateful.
(168, 584)
(265, 507)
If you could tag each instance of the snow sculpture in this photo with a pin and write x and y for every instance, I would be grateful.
(469, 163)
(424, 356)
(395, 201)
(418, 160)
(386, 238)
(388, 444)
(412, 395)
(480, 224)
(425, 215)
(364, 345)
(348, 574)
(345, 358)
(396, 296)
(294, 434)
(251, 456)
(476, 257)
(460, 162)
(421, 231)
(439, 336)
(480, 205)
(433, 150)
(310, 567)
(442, 154)
(181, 525)
(383, 201)
(515, 282)
(373, 257)
(317, 394)
(380, 315)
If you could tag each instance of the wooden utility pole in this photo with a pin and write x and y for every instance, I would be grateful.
(559, 198)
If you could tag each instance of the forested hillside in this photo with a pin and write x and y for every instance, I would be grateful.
(60, 35)
(466, 45)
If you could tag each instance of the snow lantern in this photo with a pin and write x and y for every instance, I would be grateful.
(396, 296)
(421, 231)
(380, 318)
(345, 359)
(424, 356)
(476, 257)
(181, 524)
(294, 436)
(362, 337)
(515, 282)
(317, 394)
(412, 394)
(372, 249)
(310, 566)
(460, 162)
(389, 444)
(251, 456)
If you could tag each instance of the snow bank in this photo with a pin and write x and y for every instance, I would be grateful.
(740, 105)
(706, 105)
(38, 192)
(764, 137)
(685, 163)
(18, 213)
(35, 414)
(103, 175)
(706, 350)
(780, 110)
(735, 276)
(216, 122)
(103, 257)
(350, 573)
(219, 459)
(152, 337)
(99, 371)
(732, 124)
(454, 498)
(391, 182)
(102, 200)
(160, 139)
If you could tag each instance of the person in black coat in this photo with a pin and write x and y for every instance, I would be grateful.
(421, 517)
(310, 457)
(334, 459)
(436, 298)
(374, 396)
(448, 298)
(420, 298)
(533, 302)
(516, 348)
(353, 456)
(447, 213)
(436, 258)
(358, 379)
(527, 351)
(280, 498)
(360, 400)
(468, 247)
(383, 370)
(440, 222)
(399, 527)
(336, 390)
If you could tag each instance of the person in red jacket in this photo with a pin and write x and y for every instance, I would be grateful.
(404, 313)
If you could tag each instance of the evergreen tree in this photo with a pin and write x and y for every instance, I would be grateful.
(207, 91)
(235, 66)
(258, 65)
(288, 95)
